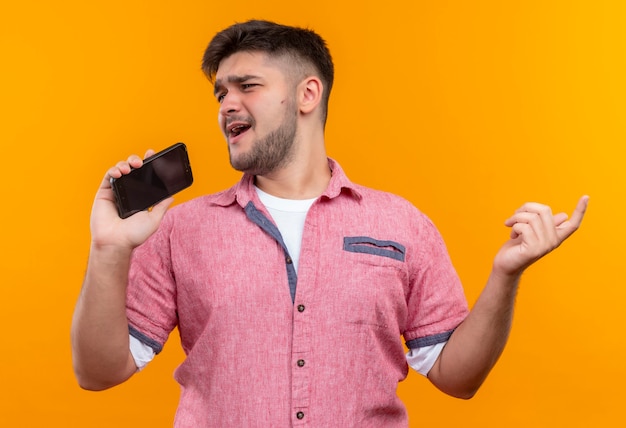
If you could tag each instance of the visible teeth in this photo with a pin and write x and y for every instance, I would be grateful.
(238, 129)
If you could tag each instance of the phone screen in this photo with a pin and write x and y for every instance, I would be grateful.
(161, 176)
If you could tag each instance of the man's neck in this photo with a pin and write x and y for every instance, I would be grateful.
(304, 179)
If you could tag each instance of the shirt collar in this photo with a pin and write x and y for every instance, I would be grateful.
(243, 192)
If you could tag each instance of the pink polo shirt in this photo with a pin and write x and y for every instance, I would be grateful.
(269, 347)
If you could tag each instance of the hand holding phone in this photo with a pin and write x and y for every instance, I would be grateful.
(162, 175)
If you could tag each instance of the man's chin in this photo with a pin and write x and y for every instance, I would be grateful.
(245, 167)
(236, 162)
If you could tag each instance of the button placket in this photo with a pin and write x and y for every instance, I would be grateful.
(302, 355)
(301, 382)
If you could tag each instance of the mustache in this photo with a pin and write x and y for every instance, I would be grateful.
(245, 119)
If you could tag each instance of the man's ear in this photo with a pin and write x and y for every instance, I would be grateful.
(309, 94)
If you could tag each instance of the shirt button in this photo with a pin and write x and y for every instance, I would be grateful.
(300, 415)
(300, 363)
(300, 308)
(288, 260)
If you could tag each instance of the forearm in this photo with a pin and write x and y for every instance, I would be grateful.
(100, 344)
(477, 343)
(479, 340)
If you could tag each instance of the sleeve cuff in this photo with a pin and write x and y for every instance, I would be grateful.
(423, 359)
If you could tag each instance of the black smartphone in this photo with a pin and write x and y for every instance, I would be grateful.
(161, 176)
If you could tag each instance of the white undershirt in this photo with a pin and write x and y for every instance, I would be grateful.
(289, 216)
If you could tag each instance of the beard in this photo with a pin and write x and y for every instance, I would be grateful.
(270, 152)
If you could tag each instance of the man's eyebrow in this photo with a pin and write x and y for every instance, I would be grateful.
(232, 79)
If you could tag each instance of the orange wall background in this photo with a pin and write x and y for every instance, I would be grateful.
(468, 109)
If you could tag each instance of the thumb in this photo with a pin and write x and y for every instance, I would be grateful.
(567, 227)
(159, 209)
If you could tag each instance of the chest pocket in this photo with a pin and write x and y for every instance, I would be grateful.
(367, 245)
(373, 287)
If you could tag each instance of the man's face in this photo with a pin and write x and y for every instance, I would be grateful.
(258, 113)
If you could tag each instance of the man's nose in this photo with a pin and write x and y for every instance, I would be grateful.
(230, 104)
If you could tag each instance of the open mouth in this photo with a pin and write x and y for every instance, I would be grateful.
(237, 129)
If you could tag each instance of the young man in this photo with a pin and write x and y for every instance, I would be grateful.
(291, 289)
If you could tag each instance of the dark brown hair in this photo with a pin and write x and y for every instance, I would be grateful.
(301, 46)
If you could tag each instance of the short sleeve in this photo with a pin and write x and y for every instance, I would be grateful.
(436, 302)
(151, 303)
